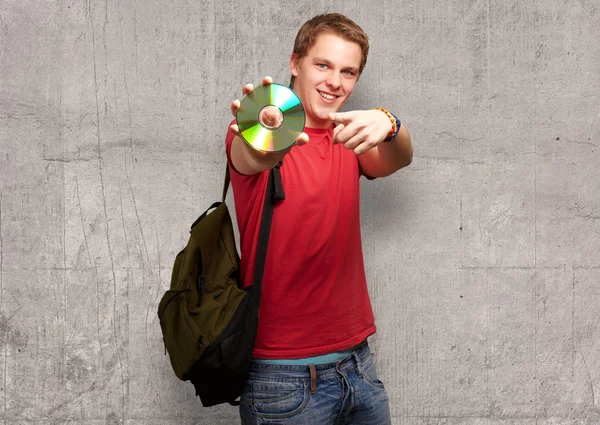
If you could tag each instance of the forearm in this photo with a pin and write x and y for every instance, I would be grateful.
(398, 152)
(251, 161)
(388, 157)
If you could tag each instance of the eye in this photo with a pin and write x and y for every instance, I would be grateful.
(322, 65)
(349, 73)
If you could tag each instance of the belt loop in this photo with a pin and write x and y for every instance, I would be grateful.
(313, 378)
(359, 365)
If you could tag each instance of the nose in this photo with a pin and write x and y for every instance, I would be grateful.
(334, 80)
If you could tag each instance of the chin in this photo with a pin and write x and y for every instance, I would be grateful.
(323, 115)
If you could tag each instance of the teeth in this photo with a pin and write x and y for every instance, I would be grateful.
(327, 96)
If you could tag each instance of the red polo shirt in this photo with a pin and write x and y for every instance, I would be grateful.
(314, 295)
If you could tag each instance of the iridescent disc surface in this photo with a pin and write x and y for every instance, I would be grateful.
(258, 135)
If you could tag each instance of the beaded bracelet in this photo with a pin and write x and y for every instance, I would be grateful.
(395, 125)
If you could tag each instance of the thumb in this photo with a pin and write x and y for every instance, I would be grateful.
(302, 139)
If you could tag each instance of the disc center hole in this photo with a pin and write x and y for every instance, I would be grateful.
(270, 117)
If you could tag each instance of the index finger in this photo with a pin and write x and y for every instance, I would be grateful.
(247, 88)
(340, 117)
(235, 105)
(267, 80)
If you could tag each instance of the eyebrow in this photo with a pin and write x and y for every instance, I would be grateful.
(328, 62)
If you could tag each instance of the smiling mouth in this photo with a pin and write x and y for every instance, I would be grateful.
(327, 96)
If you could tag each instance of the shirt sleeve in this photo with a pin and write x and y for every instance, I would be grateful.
(246, 189)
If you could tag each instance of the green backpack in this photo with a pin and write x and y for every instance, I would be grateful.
(208, 322)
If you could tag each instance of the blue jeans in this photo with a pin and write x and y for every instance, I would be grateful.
(347, 392)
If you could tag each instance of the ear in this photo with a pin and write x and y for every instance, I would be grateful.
(294, 64)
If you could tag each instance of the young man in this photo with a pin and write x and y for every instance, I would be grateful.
(312, 363)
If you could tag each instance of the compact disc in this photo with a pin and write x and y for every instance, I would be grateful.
(270, 118)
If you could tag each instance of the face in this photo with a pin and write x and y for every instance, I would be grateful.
(325, 77)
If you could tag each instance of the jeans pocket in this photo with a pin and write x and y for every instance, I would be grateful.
(370, 373)
(276, 399)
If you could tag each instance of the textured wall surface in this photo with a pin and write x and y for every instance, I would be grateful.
(483, 257)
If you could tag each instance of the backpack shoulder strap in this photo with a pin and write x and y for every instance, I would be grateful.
(273, 194)
(226, 182)
(277, 190)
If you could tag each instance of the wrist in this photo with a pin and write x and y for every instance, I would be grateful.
(395, 122)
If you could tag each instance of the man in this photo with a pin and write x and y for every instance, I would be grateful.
(312, 363)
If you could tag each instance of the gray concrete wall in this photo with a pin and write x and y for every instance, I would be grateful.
(483, 257)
